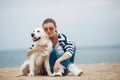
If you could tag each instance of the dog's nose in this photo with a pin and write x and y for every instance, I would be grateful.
(32, 34)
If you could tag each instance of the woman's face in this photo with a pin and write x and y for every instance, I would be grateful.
(50, 29)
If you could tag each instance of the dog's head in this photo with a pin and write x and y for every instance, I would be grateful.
(39, 35)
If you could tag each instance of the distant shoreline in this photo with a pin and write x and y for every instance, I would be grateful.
(91, 72)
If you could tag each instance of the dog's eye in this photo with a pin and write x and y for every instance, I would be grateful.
(38, 31)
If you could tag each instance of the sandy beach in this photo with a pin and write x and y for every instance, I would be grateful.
(91, 72)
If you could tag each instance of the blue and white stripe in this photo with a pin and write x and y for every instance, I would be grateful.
(65, 44)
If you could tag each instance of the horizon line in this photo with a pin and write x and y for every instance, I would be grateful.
(82, 47)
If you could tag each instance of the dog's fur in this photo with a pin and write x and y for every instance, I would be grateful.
(33, 65)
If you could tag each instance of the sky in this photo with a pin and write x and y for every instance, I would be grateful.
(89, 23)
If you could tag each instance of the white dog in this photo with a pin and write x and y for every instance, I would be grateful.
(33, 65)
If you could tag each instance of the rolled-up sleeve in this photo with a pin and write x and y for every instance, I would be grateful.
(68, 48)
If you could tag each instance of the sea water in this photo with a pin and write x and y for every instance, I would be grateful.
(97, 55)
(15, 58)
(12, 58)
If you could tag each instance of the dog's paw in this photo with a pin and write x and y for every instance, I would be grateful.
(31, 74)
(50, 74)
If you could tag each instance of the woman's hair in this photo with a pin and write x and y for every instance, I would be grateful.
(49, 20)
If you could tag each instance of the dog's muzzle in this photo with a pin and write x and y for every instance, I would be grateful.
(34, 38)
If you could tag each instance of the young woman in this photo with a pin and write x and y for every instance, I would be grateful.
(63, 50)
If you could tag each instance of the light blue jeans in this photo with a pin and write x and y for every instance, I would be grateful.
(58, 52)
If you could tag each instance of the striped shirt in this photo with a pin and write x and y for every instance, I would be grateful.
(66, 44)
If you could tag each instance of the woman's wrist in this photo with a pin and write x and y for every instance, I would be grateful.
(58, 60)
(29, 52)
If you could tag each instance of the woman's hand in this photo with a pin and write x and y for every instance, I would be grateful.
(36, 49)
(56, 66)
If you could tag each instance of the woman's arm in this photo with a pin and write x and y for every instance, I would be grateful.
(68, 47)
(62, 58)
(36, 49)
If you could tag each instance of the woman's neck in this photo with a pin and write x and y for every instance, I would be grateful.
(54, 39)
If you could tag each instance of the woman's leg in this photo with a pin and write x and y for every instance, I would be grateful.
(52, 59)
(54, 56)
(58, 52)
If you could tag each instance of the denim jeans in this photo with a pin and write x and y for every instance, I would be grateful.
(58, 52)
